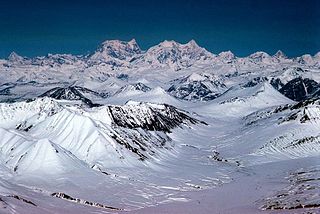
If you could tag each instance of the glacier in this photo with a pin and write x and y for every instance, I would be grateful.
(171, 129)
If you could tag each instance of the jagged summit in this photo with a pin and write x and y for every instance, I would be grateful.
(305, 59)
(115, 52)
(168, 44)
(226, 55)
(192, 42)
(259, 55)
(14, 57)
(118, 45)
(261, 58)
(172, 43)
(176, 55)
(280, 55)
(72, 93)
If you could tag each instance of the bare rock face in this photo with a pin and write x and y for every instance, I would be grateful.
(300, 89)
(72, 93)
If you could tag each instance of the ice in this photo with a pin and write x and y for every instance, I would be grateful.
(171, 129)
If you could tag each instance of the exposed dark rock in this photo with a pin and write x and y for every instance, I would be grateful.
(302, 192)
(3, 204)
(82, 201)
(217, 157)
(300, 89)
(23, 126)
(195, 90)
(123, 76)
(276, 83)
(197, 87)
(305, 140)
(128, 146)
(149, 118)
(22, 199)
(72, 93)
(255, 81)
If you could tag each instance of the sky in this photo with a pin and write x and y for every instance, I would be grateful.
(33, 28)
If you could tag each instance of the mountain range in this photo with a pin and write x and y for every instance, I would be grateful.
(171, 129)
(116, 53)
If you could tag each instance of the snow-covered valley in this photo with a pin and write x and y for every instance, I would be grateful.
(173, 129)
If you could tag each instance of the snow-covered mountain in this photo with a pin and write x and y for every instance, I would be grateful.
(73, 93)
(131, 89)
(56, 60)
(15, 58)
(197, 87)
(176, 55)
(226, 57)
(110, 128)
(115, 53)
(171, 129)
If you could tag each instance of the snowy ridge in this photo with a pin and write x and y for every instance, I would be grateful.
(151, 117)
(245, 100)
(291, 145)
(303, 112)
(102, 135)
(146, 131)
(37, 110)
(28, 156)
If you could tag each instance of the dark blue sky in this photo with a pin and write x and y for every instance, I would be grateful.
(244, 26)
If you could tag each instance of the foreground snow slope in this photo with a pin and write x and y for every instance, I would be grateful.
(173, 129)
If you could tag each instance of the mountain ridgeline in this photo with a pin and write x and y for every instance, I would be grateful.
(116, 54)
(126, 129)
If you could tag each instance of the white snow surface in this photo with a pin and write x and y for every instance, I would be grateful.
(145, 149)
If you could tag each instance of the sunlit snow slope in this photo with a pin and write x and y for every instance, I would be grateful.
(171, 129)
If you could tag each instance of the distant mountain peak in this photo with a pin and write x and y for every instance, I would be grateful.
(176, 55)
(192, 43)
(133, 40)
(116, 52)
(15, 57)
(169, 44)
(133, 43)
(260, 54)
(118, 45)
(260, 57)
(279, 54)
(228, 55)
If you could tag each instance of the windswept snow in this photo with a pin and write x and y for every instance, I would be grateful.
(171, 129)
